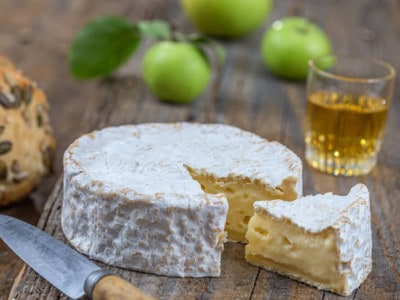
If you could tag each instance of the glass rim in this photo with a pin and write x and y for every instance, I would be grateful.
(390, 76)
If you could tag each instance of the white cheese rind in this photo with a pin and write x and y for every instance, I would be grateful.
(348, 217)
(130, 201)
(171, 235)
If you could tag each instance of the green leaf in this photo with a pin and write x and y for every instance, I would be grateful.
(155, 29)
(102, 46)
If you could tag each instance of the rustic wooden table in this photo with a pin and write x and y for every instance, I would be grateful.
(36, 35)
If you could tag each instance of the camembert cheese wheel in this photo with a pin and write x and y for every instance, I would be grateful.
(323, 240)
(155, 197)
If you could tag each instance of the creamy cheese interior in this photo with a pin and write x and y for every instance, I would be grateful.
(241, 193)
(281, 246)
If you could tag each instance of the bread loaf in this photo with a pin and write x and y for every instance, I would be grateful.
(27, 142)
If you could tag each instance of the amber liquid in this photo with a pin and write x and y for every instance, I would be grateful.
(344, 132)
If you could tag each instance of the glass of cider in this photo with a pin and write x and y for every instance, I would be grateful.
(348, 99)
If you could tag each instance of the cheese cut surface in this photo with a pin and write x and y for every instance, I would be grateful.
(155, 197)
(323, 240)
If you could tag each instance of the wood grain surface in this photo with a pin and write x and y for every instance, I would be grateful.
(36, 35)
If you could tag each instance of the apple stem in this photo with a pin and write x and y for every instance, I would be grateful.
(302, 30)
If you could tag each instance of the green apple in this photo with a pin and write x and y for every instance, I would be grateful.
(288, 44)
(175, 71)
(226, 18)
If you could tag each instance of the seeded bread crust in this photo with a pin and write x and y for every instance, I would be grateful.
(5, 63)
(27, 142)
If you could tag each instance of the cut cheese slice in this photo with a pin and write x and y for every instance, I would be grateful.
(155, 197)
(323, 240)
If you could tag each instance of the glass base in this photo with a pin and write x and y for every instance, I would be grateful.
(338, 166)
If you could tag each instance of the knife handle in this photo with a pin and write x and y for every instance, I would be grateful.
(101, 285)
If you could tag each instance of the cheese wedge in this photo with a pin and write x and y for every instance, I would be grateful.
(155, 197)
(323, 240)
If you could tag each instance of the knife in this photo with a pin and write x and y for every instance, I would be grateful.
(69, 271)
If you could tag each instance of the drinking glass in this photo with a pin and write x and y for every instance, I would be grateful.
(348, 99)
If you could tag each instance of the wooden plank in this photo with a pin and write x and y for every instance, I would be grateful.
(250, 282)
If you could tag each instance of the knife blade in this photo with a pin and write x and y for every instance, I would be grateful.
(69, 271)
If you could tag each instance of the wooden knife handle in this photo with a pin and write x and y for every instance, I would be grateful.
(113, 287)
(101, 285)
